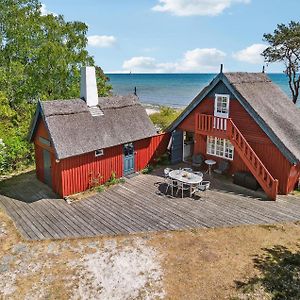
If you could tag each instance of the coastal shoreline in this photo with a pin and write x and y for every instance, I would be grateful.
(155, 108)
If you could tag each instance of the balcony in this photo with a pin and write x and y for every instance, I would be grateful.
(226, 129)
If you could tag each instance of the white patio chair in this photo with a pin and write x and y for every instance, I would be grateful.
(198, 173)
(203, 186)
(167, 171)
(171, 183)
(183, 187)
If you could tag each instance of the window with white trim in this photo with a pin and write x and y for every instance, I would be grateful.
(221, 105)
(99, 152)
(220, 147)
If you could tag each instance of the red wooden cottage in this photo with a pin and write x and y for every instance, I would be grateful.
(82, 140)
(246, 119)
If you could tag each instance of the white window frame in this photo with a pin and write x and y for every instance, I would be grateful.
(99, 152)
(222, 114)
(219, 147)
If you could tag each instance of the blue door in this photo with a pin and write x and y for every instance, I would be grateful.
(47, 167)
(128, 158)
(177, 147)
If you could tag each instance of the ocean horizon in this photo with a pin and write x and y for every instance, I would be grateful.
(175, 89)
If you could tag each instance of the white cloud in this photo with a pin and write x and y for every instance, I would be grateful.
(201, 60)
(196, 60)
(140, 63)
(45, 11)
(251, 54)
(101, 41)
(195, 7)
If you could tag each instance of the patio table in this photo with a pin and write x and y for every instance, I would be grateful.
(185, 177)
(210, 163)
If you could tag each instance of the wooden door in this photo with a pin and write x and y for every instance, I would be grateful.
(177, 147)
(47, 167)
(128, 158)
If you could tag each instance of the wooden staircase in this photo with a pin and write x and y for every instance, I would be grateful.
(225, 128)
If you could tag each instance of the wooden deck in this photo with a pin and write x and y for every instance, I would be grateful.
(139, 205)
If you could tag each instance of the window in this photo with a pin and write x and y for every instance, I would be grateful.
(99, 152)
(44, 141)
(221, 105)
(220, 147)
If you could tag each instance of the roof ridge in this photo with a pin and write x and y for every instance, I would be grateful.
(66, 114)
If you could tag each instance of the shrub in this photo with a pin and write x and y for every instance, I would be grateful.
(148, 169)
(163, 160)
(100, 188)
(164, 117)
(114, 180)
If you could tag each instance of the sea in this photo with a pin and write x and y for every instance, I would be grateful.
(175, 90)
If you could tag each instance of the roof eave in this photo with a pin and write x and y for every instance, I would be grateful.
(267, 130)
(261, 123)
(194, 103)
(34, 122)
(39, 113)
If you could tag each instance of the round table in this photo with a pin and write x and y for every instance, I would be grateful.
(210, 163)
(186, 177)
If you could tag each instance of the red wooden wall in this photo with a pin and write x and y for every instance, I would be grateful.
(148, 149)
(75, 174)
(78, 170)
(39, 161)
(273, 159)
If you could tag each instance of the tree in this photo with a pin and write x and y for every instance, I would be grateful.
(40, 58)
(285, 47)
(104, 89)
(45, 51)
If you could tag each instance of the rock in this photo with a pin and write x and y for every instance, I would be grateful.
(52, 248)
(19, 248)
(4, 268)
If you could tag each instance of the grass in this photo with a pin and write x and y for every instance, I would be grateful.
(98, 188)
(246, 262)
(164, 117)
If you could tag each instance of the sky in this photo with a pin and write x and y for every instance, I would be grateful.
(177, 36)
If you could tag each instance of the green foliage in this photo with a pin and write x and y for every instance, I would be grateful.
(285, 47)
(163, 160)
(164, 117)
(113, 180)
(100, 188)
(148, 169)
(3, 159)
(104, 89)
(40, 58)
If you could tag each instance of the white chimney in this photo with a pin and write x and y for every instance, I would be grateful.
(88, 86)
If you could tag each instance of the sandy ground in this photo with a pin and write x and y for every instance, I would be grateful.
(194, 264)
(151, 111)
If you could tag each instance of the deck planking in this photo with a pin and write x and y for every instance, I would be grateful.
(139, 205)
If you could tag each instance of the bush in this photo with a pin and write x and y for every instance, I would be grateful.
(164, 117)
(147, 170)
(114, 180)
(15, 154)
(100, 188)
(163, 160)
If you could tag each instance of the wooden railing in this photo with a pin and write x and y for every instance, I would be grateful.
(208, 124)
(216, 126)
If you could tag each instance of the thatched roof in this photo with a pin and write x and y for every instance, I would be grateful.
(272, 105)
(74, 131)
(269, 106)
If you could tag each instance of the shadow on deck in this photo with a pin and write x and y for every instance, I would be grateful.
(26, 188)
(138, 205)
